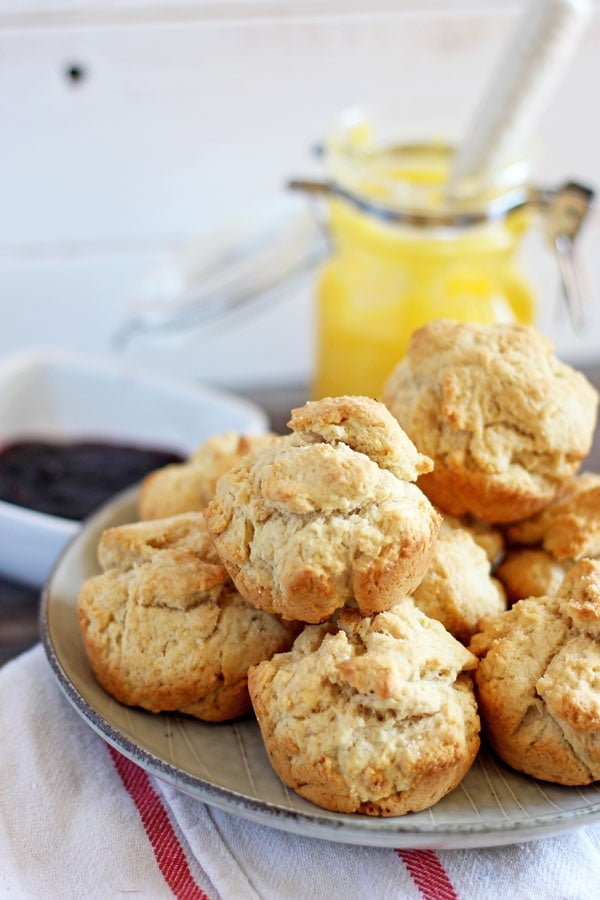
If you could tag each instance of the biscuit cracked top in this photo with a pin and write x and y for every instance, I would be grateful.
(327, 514)
(365, 426)
(369, 714)
(505, 422)
(164, 628)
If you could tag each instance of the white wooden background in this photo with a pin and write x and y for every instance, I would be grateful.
(187, 115)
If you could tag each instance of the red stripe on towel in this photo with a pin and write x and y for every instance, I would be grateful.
(428, 874)
(165, 844)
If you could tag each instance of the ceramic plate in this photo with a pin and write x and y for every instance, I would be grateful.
(227, 767)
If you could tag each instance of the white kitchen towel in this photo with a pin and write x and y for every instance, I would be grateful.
(79, 820)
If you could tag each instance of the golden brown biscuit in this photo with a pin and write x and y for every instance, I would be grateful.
(545, 546)
(190, 486)
(164, 628)
(369, 714)
(531, 573)
(505, 422)
(537, 682)
(486, 536)
(458, 589)
(322, 517)
(569, 528)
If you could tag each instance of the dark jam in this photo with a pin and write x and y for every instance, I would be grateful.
(72, 479)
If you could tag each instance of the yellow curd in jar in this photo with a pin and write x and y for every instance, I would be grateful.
(387, 278)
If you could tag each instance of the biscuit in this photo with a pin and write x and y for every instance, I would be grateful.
(486, 536)
(123, 547)
(544, 547)
(327, 515)
(537, 681)
(458, 589)
(371, 715)
(164, 628)
(569, 528)
(190, 486)
(531, 572)
(505, 422)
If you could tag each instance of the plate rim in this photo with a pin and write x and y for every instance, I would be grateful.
(392, 831)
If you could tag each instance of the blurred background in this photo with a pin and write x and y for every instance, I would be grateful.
(132, 129)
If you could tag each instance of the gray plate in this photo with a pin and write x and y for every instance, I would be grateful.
(227, 767)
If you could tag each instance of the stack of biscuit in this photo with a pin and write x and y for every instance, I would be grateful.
(508, 425)
(348, 581)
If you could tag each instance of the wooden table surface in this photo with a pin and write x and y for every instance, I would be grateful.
(19, 605)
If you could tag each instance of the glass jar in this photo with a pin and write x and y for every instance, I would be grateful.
(397, 243)
(408, 247)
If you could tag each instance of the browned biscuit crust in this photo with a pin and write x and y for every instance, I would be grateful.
(505, 422)
(163, 626)
(537, 682)
(316, 521)
(369, 715)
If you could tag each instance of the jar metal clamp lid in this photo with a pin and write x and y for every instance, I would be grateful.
(276, 249)
(564, 210)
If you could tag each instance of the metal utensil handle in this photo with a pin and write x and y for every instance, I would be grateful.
(565, 212)
(571, 284)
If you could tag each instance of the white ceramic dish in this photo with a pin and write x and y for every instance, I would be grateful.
(226, 765)
(58, 395)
